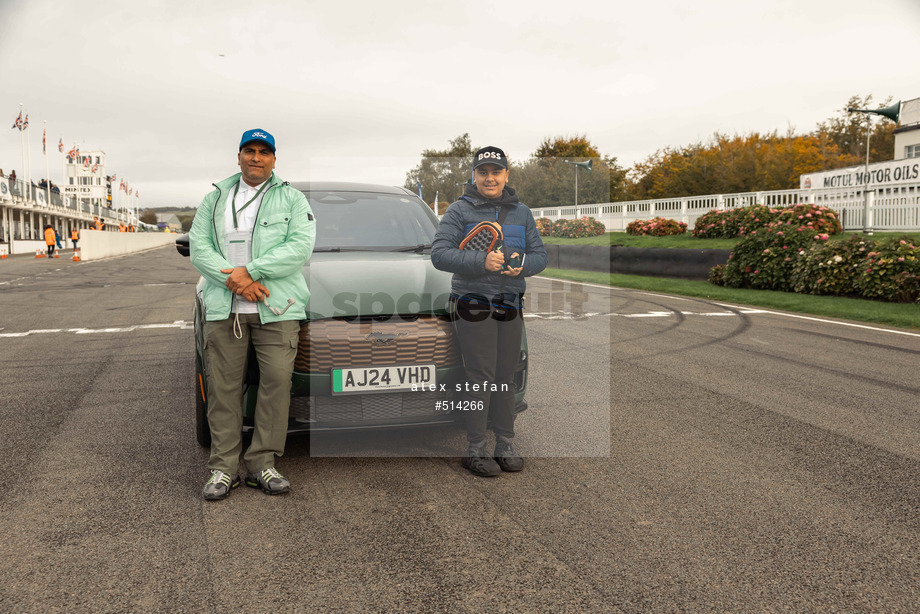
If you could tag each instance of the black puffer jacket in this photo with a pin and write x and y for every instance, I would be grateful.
(470, 275)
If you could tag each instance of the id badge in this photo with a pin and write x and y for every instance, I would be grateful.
(239, 244)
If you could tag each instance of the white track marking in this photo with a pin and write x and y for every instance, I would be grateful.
(823, 321)
(747, 310)
(180, 324)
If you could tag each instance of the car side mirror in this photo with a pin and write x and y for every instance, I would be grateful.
(182, 245)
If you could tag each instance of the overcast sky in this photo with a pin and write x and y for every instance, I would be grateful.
(355, 90)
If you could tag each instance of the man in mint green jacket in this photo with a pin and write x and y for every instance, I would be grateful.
(250, 239)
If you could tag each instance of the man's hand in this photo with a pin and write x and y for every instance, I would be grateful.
(238, 280)
(255, 292)
(494, 261)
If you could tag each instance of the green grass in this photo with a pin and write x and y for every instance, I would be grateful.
(686, 241)
(892, 314)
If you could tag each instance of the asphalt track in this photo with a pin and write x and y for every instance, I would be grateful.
(750, 461)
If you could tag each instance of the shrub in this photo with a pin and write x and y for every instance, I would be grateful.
(717, 275)
(716, 224)
(831, 268)
(819, 219)
(889, 272)
(804, 261)
(544, 226)
(742, 222)
(574, 229)
(659, 227)
(765, 258)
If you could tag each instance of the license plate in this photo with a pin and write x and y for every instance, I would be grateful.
(382, 379)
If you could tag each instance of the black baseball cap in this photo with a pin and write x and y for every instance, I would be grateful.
(490, 155)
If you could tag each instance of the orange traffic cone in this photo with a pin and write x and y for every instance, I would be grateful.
(39, 254)
(57, 255)
(76, 255)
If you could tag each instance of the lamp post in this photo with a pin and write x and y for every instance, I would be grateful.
(577, 165)
(893, 113)
(464, 184)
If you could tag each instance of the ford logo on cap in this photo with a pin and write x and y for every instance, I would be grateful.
(259, 135)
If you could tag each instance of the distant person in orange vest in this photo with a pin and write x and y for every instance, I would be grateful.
(50, 240)
(74, 237)
(122, 227)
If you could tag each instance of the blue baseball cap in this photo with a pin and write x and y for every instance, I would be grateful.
(258, 135)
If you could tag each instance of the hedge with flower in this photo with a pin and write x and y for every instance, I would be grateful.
(544, 226)
(722, 224)
(809, 263)
(573, 229)
(658, 227)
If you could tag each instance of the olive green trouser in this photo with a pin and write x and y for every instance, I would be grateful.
(275, 347)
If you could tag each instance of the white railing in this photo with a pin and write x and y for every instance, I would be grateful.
(894, 207)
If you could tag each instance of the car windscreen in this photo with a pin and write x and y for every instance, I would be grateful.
(370, 221)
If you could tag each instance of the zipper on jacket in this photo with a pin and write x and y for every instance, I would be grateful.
(214, 219)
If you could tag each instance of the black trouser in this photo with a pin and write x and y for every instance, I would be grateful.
(490, 342)
(50, 251)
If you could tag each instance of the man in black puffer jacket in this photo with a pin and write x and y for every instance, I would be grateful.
(487, 300)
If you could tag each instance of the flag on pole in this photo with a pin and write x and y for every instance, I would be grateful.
(114, 176)
(95, 167)
(419, 184)
(25, 122)
(18, 122)
(72, 154)
(86, 161)
(61, 145)
(44, 134)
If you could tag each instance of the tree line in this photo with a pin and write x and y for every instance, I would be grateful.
(723, 164)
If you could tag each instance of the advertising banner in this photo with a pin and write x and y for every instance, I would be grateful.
(5, 189)
(880, 174)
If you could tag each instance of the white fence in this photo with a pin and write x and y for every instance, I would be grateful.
(894, 207)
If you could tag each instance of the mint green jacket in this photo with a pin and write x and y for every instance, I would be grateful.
(282, 242)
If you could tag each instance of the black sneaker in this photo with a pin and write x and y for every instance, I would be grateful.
(219, 485)
(478, 462)
(506, 456)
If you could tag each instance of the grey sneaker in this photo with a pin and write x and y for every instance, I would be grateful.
(480, 463)
(270, 481)
(506, 456)
(219, 485)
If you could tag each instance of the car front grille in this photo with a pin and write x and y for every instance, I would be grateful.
(362, 408)
(336, 343)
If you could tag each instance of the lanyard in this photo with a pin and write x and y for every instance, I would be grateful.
(249, 202)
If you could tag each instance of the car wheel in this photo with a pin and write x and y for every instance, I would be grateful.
(202, 430)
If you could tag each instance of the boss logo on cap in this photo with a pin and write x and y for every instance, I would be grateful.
(490, 154)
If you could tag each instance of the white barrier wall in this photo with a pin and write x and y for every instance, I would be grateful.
(96, 244)
(23, 246)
